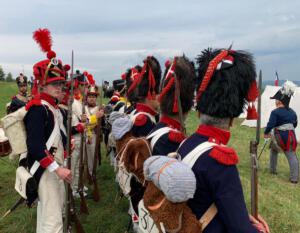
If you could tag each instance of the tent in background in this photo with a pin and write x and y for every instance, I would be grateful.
(267, 105)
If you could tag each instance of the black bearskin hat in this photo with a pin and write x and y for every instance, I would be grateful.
(146, 85)
(130, 75)
(21, 80)
(119, 85)
(183, 70)
(80, 78)
(285, 93)
(227, 82)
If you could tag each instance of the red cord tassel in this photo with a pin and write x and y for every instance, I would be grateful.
(253, 92)
(251, 112)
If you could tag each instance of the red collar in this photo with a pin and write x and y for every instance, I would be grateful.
(145, 108)
(51, 100)
(170, 122)
(214, 134)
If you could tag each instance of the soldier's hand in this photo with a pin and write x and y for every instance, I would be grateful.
(64, 173)
(72, 145)
(267, 135)
(260, 224)
(99, 113)
(80, 128)
(83, 118)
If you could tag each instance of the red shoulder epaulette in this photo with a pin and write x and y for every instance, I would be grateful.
(33, 102)
(224, 155)
(140, 120)
(176, 136)
(14, 97)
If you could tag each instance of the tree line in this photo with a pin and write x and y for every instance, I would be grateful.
(6, 77)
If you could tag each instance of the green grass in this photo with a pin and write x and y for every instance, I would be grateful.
(279, 201)
(7, 90)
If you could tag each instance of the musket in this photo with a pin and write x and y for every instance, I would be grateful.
(97, 152)
(86, 171)
(177, 94)
(83, 204)
(263, 148)
(19, 202)
(99, 125)
(253, 153)
(70, 213)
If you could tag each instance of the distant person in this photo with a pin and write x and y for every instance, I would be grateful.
(281, 128)
(20, 99)
(114, 99)
(91, 108)
(79, 119)
(131, 76)
(120, 91)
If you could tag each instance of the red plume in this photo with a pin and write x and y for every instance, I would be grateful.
(51, 54)
(91, 79)
(67, 67)
(85, 73)
(167, 64)
(43, 38)
(123, 76)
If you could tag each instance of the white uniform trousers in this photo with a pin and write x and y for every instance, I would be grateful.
(90, 152)
(75, 162)
(50, 207)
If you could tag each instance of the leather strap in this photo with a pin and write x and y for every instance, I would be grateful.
(157, 134)
(209, 214)
(190, 159)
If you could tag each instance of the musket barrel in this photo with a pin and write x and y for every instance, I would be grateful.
(67, 225)
(254, 179)
(259, 107)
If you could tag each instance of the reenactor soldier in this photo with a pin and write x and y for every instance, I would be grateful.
(114, 99)
(227, 79)
(91, 109)
(45, 136)
(120, 91)
(21, 99)
(145, 88)
(130, 76)
(63, 100)
(169, 132)
(79, 122)
(281, 128)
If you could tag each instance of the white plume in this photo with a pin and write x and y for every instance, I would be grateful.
(288, 88)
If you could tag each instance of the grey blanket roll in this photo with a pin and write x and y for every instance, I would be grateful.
(121, 126)
(174, 178)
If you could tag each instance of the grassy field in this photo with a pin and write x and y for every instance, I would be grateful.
(279, 201)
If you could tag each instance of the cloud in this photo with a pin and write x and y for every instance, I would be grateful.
(109, 37)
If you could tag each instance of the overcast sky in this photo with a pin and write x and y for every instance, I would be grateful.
(110, 36)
